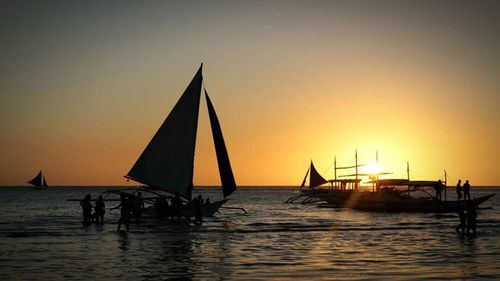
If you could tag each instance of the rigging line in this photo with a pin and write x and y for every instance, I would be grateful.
(326, 170)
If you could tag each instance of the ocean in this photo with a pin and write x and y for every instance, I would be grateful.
(42, 238)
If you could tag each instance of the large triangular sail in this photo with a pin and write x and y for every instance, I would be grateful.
(225, 171)
(167, 162)
(37, 180)
(315, 179)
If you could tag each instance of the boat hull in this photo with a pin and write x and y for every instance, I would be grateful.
(188, 210)
(380, 202)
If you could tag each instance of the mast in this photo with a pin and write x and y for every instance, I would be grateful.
(445, 183)
(376, 163)
(335, 169)
(356, 159)
(408, 170)
(408, 175)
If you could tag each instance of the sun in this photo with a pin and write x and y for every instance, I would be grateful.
(373, 168)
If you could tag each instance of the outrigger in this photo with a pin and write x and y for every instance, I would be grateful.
(386, 195)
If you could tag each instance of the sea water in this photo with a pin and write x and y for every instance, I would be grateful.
(42, 238)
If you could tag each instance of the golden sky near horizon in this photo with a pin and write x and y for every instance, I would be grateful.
(85, 85)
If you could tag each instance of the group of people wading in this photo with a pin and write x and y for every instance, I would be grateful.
(174, 208)
(131, 205)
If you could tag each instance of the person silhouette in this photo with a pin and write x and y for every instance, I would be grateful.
(176, 205)
(438, 187)
(124, 211)
(459, 190)
(99, 210)
(161, 206)
(471, 217)
(466, 190)
(198, 214)
(137, 206)
(86, 209)
(460, 228)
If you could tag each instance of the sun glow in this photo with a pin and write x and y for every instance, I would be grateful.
(373, 168)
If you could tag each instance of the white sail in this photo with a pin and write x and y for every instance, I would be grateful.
(167, 162)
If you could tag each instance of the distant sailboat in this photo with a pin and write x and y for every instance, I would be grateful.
(307, 194)
(167, 163)
(39, 181)
(315, 179)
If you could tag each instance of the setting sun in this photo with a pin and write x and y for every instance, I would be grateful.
(373, 168)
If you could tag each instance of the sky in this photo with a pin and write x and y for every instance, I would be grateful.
(84, 85)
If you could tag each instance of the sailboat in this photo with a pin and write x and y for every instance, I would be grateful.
(167, 162)
(39, 181)
(311, 192)
(387, 195)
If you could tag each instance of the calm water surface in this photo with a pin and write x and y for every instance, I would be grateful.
(41, 238)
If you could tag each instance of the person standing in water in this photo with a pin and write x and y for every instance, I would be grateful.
(462, 215)
(471, 218)
(86, 210)
(459, 190)
(466, 190)
(198, 214)
(124, 211)
(176, 206)
(138, 205)
(99, 210)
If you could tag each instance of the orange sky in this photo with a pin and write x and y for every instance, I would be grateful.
(83, 87)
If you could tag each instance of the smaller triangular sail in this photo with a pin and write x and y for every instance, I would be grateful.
(315, 179)
(37, 181)
(225, 171)
(44, 184)
(304, 180)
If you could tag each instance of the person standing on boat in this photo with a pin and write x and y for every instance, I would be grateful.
(466, 190)
(124, 211)
(438, 187)
(459, 190)
(99, 210)
(87, 210)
